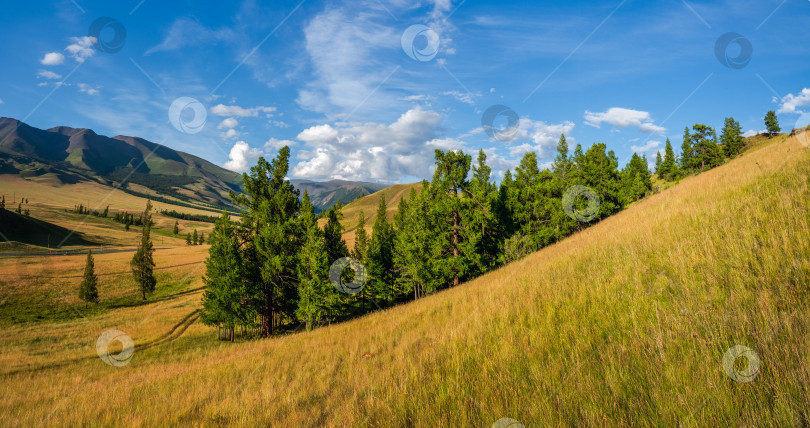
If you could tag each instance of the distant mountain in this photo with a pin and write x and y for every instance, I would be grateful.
(64, 155)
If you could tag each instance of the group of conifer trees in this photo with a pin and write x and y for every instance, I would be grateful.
(142, 264)
(273, 268)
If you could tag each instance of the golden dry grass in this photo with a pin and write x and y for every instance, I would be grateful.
(625, 323)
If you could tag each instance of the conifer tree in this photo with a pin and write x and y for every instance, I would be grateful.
(449, 182)
(88, 289)
(274, 237)
(19, 209)
(361, 238)
(188, 239)
(415, 252)
(176, 227)
(333, 241)
(772, 123)
(380, 256)
(143, 262)
(731, 137)
(658, 162)
(668, 166)
(3, 203)
(706, 153)
(201, 239)
(314, 287)
(687, 164)
(195, 238)
(226, 292)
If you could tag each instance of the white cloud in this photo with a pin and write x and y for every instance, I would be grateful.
(185, 32)
(467, 98)
(1, 101)
(52, 58)
(623, 118)
(231, 133)
(242, 156)
(45, 74)
(81, 48)
(87, 89)
(544, 136)
(276, 144)
(342, 49)
(650, 146)
(223, 110)
(751, 132)
(228, 123)
(791, 103)
(417, 98)
(362, 151)
(318, 134)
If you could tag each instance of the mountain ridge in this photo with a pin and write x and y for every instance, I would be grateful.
(67, 155)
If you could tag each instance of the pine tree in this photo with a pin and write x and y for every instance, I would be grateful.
(415, 253)
(3, 203)
(668, 166)
(106, 211)
(19, 209)
(143, 262)
(731, 137)
(361, 238)
(380, 256)
(88, 289)
(772, 123)
(706, 153)
(227, 294)
(687, 164)
(195, 238)
(333, 241)
(176, 227)
(275, 236)
(658, 162)
(449, 181)
(188, 239)
(314, 288)
(201, 239)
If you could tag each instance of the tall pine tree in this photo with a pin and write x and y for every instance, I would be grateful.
(143, 262)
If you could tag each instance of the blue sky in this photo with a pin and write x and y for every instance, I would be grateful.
(335, 82)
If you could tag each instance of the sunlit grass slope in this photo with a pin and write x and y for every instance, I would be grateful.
(625, 323)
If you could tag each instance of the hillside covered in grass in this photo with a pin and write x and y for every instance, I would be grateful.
(626, 323)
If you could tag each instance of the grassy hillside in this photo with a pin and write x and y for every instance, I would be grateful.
(625, 323)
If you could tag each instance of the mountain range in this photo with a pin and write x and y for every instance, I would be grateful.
(65, 155)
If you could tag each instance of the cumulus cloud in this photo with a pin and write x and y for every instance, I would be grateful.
(790, 103)
(87, 89)
(223, 110)
(52, 58)
(623, 118)
(45, 74)
(228, 123)
(1, 101)
(318, 134)
(355, 151)
(650, 146)
(81, 48)
(242, 156)
(751, 132)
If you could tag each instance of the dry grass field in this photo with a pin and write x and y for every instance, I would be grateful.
(625, 323)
